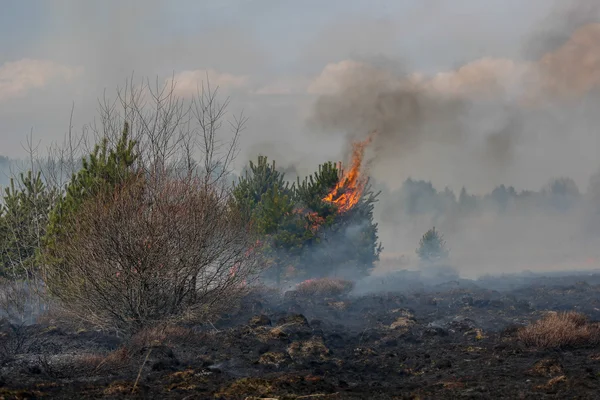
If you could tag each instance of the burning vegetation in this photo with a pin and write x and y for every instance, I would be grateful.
(306, 227)
(351, 185)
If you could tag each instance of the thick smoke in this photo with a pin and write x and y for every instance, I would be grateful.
(491, 121)
(461, 93)
(558, 26)
(403, 114)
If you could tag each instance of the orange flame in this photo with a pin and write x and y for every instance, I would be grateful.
(351, 185)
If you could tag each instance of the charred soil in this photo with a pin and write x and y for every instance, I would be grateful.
(458, 339)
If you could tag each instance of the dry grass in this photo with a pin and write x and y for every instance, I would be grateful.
(325, 287)
(247, 387)
(113, 361)
(118, 388)
(169, 335)
(558, 330)
(402, 322)
(547, 367)
(551, 385)
(125, 356)
(273, 358)
(308, 349)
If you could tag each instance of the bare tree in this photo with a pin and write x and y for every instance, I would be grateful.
(175, 136)
(143, 256)
(165, 245)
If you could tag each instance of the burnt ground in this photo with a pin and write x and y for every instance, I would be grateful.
(443, 341)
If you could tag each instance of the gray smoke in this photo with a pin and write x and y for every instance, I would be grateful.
(488, 122)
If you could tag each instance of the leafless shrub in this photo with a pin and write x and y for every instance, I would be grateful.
(165, 246)
(153, 252)
(51, 368)
(57, 316)
(559, 330)
(13, 338)
(324, 287)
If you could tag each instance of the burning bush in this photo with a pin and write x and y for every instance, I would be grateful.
(325, 287)
(557, 330)
(154, 251)
(321, 225)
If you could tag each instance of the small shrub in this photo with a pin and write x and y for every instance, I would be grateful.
(325, 287)
(558, 330)
(432, 247)
(13, 338)
(155, 250)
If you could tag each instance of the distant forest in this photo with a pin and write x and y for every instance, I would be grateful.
(420, 197)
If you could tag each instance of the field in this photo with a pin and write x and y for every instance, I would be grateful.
(445, 340)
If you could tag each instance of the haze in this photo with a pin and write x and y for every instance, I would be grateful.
(463, 93)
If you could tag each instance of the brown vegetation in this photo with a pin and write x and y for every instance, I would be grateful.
(558, 330)
(154, 251)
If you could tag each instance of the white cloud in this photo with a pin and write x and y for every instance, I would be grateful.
(17, 78)
(188, 82)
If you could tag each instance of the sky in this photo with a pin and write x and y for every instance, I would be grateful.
(279, 60)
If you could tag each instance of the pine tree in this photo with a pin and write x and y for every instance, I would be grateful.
(432, 247)
(105, 168)
(257, 180)
(300, 229)
(345, 242)
(23, 222)
(267, 201)
(349, 243)
(311, 191)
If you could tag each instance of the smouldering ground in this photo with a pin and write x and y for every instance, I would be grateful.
(458, 339)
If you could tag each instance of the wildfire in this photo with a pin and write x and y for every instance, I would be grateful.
(351, 185)
(348, 190)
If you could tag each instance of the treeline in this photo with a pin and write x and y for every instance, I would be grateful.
(419, 197)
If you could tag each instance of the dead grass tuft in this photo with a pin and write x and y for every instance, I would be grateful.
(118, 388)
(558, 330)
(170, 335)
(247, 387)
(309, 348)
(113, 361)
(547, 367)
(551, 385)
(402, 323)
(186, 380)
(273, 358)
